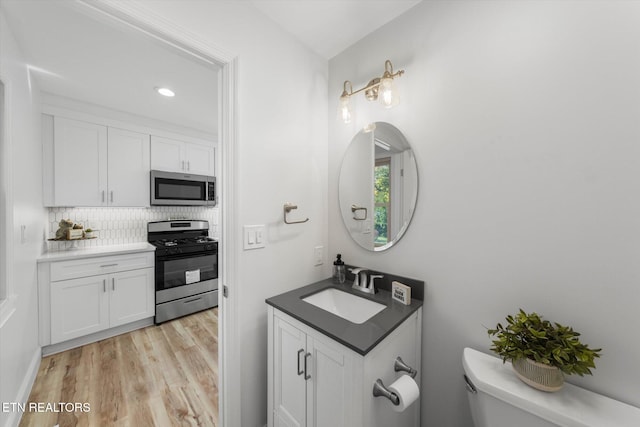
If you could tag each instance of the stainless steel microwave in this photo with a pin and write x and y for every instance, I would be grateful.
(182, 189)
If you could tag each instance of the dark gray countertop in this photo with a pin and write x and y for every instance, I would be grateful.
(360, 338)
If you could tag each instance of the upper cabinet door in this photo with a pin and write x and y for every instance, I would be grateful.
(166, 154)
(129, 166)
(199, 159)
(80, 169)
(172, 155)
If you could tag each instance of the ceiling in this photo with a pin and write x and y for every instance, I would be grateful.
(330, 26)
(78, 55)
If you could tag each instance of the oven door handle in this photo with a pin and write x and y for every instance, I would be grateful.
(183, 256)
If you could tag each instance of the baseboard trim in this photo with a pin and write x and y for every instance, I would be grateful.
(25, 387)
(98, 336)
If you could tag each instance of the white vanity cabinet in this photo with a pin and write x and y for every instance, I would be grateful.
(313, 377)
(88, 164)
(180, 156)
(81, 297)
(315, 381)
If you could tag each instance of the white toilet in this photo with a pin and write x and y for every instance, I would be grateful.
(499, 399)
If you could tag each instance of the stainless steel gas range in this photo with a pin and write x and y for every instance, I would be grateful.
(186, 272)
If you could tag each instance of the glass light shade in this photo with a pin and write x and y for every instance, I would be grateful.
(345, 110)
(388, 93)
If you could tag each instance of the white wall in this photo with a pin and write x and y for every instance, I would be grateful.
(524, 120)
(282, 157)
(19, 350)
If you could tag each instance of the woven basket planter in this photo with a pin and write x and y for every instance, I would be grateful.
(538, 375)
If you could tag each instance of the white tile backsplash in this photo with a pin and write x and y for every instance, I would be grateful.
(123, 225)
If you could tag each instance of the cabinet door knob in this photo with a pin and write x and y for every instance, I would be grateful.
(306, 375)
(300, 372)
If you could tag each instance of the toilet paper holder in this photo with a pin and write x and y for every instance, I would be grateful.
(379, 388)
(400, 366)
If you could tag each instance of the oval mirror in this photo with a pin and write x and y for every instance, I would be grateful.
(378, 186)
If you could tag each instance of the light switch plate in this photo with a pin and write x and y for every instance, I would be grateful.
(318, 255)
(254, 236)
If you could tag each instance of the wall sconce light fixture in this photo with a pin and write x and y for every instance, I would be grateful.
(381, 88)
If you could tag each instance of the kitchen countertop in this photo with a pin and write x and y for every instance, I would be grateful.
(360, 338)
(95, 251)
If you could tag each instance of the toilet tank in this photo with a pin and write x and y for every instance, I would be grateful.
(502, 400)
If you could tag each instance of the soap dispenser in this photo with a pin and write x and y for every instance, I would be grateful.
(339, 271)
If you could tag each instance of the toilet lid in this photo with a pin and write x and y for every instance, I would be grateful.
(572, 406)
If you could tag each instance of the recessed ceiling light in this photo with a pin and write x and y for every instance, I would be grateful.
(165, 91)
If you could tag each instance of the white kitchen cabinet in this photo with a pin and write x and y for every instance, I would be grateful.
(128, 168)
(86, 296)
(95, 165)
(131, 296)
(80, 163)
(179, 156)
(78, 307)
(314, 380)
(91, 304)
(335, 386)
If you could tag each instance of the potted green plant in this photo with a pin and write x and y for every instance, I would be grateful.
(541, 351)
(88, 233)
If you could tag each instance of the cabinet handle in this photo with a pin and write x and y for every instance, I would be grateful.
(112, 197)
(104, 285)
(108, 265)
(193, 300)
(300, 372)
(306, 376)
(113, 284)
(188, 165)
(102, 196)
(183, 165)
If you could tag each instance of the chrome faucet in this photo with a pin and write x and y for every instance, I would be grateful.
(372, 282)
(356, 281)
(360, 280)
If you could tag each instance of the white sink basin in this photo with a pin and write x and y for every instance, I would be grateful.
(348, 306)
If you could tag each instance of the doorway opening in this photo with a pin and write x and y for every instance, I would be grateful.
(134, 19)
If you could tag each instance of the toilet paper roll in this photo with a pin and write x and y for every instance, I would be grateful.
(407, 391)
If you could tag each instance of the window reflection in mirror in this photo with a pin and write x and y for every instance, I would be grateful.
(382, 196)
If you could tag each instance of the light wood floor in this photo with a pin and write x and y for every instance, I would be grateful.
(163, 375)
